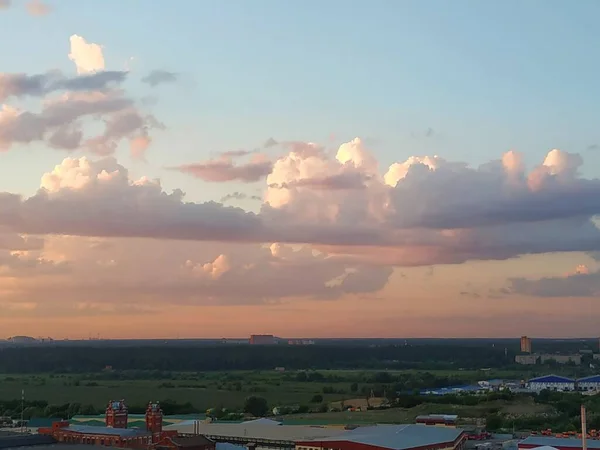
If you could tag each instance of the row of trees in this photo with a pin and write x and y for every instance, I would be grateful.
(40, 408)
(78, 359)
(566, 416)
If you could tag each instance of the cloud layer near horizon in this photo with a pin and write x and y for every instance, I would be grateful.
(419, 212)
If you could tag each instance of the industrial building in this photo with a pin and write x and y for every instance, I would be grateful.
(529, 360)
(448, 420)
(377, 437)
(116, 434)
(533, 442)
(552, 383)
(390, 437)
(591, 383)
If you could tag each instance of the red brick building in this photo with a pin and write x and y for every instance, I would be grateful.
(116, 433)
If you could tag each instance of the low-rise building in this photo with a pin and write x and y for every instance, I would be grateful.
(438, 419)
(526, 359)
(534, 442)
(552, 383)
(591, 383)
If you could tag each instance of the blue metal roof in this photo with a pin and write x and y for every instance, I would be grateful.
(590, 379)
(108, 431)
(551, 379)
(542, 441)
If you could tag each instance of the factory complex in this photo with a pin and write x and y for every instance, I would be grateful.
(559, 383)
(550, 382)
(115, 433)
(430, 432)
(260, 433)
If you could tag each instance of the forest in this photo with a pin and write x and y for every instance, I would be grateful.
(79, 359)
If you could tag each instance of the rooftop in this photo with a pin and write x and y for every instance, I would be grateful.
(547, 441)
(262, 421)
(192, 441)
(590, 379)
(398, 437)
(107, 431)
(551, 379)
(28, 440)
(259, 431)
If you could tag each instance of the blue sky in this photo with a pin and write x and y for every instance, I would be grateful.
(486, 76)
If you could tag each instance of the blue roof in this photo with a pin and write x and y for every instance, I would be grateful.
(590, 379)
(551, 379)
(121, 432)
(541, 441)
(398, 437)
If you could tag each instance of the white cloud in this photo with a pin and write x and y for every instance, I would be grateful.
(430, 211)
(88, 57)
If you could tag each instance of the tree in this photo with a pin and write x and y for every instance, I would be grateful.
(354, 387)
(257, 406)
(317, 398)
(494, 422)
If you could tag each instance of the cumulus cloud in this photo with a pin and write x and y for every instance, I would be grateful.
(87, 57)
(61, 120)
(157, 77)
(22, 256)
(71, 108)
(422, 211)
(193, 273)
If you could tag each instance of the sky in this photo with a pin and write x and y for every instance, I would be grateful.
(375, 168)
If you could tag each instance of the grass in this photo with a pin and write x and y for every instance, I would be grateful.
(229, 389)
(203, 394)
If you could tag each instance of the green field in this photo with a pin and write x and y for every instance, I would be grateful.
(203, 393)
(204, 390)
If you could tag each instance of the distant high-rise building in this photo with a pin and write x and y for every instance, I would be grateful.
(525, 344)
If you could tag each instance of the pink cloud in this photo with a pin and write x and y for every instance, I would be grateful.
(225, 170)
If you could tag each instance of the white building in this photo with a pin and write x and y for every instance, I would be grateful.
(552, 383)
(589, 383)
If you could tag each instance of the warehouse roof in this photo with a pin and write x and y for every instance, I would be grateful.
(107, 431)
(257, 431)
(551, 379)
(191, 441)
(398, 437)
(543, 441)
(590, 379)
(27, 440)
(262, 421)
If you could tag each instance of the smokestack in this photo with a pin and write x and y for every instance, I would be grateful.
(583, 428)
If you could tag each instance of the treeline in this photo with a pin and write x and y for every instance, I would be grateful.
(565, 418)
(79, 359)
(42, 409)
